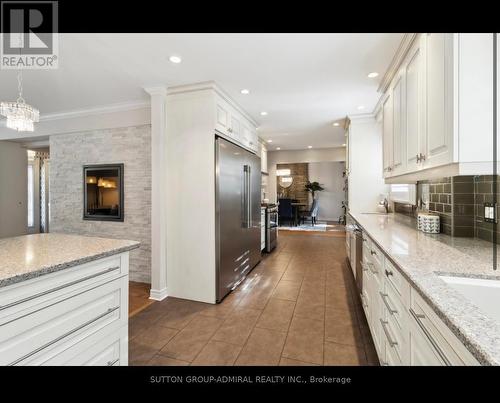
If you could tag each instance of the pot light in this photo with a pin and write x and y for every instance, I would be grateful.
(244, 91)
(269, 141)
(361, 107)
(343, 145)
(309, 146)
(373, 74)
(175, 59)
(263, 113)
(336, 124)
(278, 148)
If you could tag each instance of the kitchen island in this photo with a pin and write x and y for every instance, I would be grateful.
(64, 300)
(420, 278)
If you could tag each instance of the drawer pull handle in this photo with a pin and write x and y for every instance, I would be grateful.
(392, 343)
(113, 362)
(40, 294)
(388, 273)
(373, 252)
(418, 318)
(76, 329)
(386, 303)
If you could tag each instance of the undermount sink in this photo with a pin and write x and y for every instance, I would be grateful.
(485, 294)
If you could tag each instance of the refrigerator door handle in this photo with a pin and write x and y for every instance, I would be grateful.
(245, 196)
(249, 198)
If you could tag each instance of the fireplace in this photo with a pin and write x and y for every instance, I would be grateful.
(103, 192)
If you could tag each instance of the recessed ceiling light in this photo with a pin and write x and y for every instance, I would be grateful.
(263, 113)
(244, 91)
(343, 145)
(336, 124)
(373, 74)
(361, 107)
(278, 148)
(175, 59)
(269, 141)
(309, 146)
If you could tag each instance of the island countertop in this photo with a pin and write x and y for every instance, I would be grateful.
(422, 258)
(29, 256)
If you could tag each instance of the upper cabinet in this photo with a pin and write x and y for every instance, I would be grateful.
(438, 109)
(263, 159)
(232, 124)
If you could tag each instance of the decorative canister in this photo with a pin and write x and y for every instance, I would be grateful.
(429, 223)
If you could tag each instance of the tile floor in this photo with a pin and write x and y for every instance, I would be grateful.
(297, 307)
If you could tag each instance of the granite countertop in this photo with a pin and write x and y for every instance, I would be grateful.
(29, 256)
(423, 257)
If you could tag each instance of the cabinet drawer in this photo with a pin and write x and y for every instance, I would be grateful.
(377, 257)
(444, 343)
(395, 339)
(23, 298)
(399, 283)
(103, 348)
(59, 325)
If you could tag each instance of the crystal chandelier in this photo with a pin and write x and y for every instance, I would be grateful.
(20, 116)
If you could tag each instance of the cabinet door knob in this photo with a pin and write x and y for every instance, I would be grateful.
(422, 157)
(418, 158)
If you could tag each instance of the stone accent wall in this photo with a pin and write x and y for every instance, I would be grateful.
(130, 146)
(300, 174)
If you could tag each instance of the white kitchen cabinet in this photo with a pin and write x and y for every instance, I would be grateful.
(263, 158)
(404, 328)
(440, 101)
(399, 125)
(81, 311)
(222, 117)
(437, 143)
(387, 134)
(413, 104)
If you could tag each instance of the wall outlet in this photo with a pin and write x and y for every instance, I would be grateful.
(490, 212)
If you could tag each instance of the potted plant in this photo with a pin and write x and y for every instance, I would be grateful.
(313, 187)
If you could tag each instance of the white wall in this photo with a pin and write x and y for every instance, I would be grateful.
(329, 175)
(366, 181)
(13, 189)
(297, 156)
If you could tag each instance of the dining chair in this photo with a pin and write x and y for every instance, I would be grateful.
(285, 210)
(312, 214)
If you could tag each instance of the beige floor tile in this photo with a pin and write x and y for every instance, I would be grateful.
(343, 333)
(238, 326)
(156, 336)
(305, 340)
(217, 353)
(277, 315)
(163, 361)
(288, 290)
(288, 362)
(189, 341)
(140, 354)
(341, 354)
(264, 347)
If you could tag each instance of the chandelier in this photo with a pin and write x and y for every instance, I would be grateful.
(20, 116)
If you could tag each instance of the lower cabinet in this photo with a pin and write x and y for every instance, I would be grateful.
(77, 316)
(404, 328)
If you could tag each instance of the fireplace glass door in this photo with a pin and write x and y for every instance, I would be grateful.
(103, 192)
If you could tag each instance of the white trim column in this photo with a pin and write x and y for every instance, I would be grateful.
(158, 193)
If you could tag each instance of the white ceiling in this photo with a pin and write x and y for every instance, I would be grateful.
(304, 81)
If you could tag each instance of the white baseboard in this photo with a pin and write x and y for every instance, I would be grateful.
(158, 295)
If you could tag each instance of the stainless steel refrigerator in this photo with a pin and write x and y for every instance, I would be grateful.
(237, 214)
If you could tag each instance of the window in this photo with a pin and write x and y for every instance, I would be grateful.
(31, 196)
(404, 193)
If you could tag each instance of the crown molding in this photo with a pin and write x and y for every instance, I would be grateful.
(362, 117)
(97, 110)
(156, 90)
(400, 54)
(397, 60)
(211, 85)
